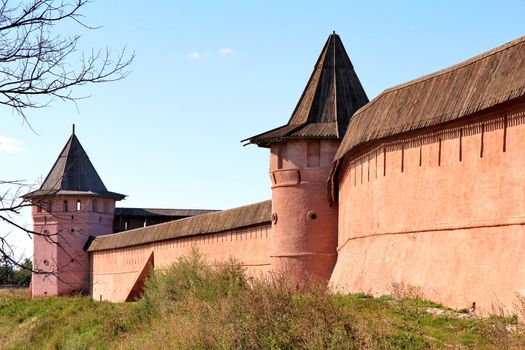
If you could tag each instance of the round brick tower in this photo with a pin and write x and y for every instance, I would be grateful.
(304, 225)
(71, 206)
(304, 231)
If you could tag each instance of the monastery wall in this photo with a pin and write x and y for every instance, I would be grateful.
(443, 211)
(116, 271)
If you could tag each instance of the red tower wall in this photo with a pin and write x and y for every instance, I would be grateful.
(443, 211)
(115, 271)
(304, 228)
(58, 249)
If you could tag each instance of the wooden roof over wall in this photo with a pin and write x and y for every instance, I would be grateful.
(245, 216)
(333, 93)
(155, 212)
(482, 82)
(479, 83)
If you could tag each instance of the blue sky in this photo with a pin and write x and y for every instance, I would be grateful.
(208, 74)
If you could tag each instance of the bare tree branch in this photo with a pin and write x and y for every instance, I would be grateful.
(38, 67)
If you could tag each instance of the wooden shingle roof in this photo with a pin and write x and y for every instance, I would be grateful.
(333, 93)
(245, 216)
(73, 174)
(479, 83)
(156, 212)
(482, 82)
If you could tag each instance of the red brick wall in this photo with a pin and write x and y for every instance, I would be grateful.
(115, 271)
(446, 214)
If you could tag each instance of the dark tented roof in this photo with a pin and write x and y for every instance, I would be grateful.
(332, 94)
(484, 81)
(248, 215)
(149, 212)
(73, 174)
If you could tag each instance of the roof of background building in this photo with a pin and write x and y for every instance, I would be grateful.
(149, 212)
(333, 93)
(245, 216)
(73, 174)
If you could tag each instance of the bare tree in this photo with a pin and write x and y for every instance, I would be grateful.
(36, 64)
(11, 205)
(39, 66)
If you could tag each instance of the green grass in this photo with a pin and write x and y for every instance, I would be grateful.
(63, 323)
(192, 306)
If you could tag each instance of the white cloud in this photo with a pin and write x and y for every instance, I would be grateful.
(9, 145)
(197, 55)
(225, 52)
(194, 55)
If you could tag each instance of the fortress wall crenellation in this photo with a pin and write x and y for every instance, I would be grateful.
(439, 210)
(424, 148)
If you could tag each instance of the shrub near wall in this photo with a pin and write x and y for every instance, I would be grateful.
(194, 306)
(203, 307)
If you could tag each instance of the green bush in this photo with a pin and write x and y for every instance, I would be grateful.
(197, 305)
(216, 307)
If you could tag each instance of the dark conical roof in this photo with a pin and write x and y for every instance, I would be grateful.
(73, 174)
(331, 96)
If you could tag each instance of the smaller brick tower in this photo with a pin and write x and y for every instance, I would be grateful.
(71, 205)
(304, 229)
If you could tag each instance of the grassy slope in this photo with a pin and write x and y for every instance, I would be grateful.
(191, 306)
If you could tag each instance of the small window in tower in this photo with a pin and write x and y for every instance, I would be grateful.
(313, 153)
(79, 205)
(39, 208)
(49, 207)
(279, 156)
(106, 207)
(65, 205)
(95, 205)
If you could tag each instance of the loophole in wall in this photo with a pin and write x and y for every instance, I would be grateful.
(311, 215)
(274, 218)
